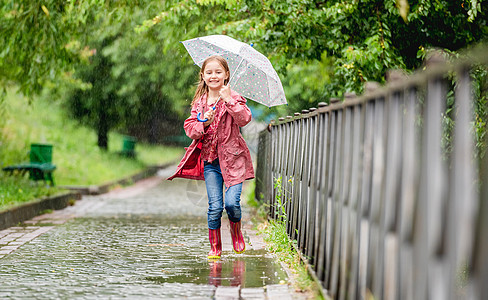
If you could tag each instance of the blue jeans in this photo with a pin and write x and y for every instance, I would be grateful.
(214, 183)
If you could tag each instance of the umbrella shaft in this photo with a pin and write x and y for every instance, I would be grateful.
(215, 105)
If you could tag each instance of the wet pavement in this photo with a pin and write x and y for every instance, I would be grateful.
(147, 241)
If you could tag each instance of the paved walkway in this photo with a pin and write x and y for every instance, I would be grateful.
(147, 241)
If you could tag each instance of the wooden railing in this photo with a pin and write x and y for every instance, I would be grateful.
(376, 201)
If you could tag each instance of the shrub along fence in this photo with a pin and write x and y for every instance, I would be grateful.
(380, 200)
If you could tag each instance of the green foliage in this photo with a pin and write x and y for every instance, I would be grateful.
(479, 81)
(345, 43)
(41, 40)
(278, 235)
(280, 210)
(349, 41)
(321, 49)
(480, 84)
(302, 89)
(324, 49)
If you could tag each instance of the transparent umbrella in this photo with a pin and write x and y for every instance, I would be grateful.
(252, 74)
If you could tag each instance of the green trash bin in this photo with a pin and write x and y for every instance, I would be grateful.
(129, 146)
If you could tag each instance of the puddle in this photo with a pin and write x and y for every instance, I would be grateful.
(254, 268)
(136, 256)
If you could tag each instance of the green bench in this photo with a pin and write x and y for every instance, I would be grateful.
(40, 166)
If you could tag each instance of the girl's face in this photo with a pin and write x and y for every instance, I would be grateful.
(214, 75)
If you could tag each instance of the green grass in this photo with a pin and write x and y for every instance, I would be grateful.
(15, 191)
(276, 237)
(78, 159)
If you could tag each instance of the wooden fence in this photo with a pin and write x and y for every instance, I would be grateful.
(377, 200)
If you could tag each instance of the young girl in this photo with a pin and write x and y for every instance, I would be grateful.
(218, 153)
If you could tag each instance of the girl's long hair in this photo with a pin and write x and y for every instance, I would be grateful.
(202, 87)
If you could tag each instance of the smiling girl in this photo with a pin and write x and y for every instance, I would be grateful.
(218, 153)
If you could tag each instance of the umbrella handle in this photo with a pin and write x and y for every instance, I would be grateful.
(199, 115)
(200, 119)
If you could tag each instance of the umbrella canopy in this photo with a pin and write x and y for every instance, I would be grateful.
(252, 74)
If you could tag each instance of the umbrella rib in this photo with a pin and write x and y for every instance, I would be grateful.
(235, 71)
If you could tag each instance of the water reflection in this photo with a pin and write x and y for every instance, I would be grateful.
(214, 278)
(237, 278)
(238, 272)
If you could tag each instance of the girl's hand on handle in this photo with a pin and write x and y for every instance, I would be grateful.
(210, 115)
(225, 93)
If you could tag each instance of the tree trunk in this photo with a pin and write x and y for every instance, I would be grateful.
(103, 126)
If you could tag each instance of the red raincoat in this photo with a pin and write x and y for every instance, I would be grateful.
(234, 157)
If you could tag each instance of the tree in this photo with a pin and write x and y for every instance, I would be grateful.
(99, 104)
(156, 84)
(133, 86)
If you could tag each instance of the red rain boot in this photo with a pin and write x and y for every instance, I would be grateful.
(215, 243)
(237, 238)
